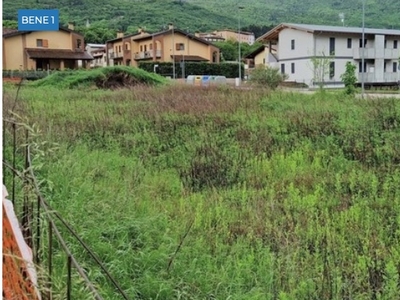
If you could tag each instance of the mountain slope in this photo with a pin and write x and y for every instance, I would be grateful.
(212, 14)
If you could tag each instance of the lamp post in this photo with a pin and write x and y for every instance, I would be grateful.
(240, 65)
(363, 49)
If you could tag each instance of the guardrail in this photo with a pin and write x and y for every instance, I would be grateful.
(35, 213)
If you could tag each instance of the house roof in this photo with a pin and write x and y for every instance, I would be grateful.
(176, 30)
(235, 31)
(96, 45)
(189, 58)
(9, 33)
(123, 37)
(58, 54)
(274, 32)
(256, 51)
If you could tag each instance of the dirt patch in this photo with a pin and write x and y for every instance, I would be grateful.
(117, 81)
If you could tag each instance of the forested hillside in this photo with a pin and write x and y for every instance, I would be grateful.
(192, 15)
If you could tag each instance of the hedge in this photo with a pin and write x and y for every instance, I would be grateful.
(229, 70)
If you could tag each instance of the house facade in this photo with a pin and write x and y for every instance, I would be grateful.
(165, 46)
(314, 53)
(44, 50)
(241, 36)
(98, 52)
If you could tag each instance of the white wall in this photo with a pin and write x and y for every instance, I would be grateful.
(304, 44)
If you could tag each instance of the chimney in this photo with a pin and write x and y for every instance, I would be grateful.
(170, 26)
(71, 25)
(120, 34)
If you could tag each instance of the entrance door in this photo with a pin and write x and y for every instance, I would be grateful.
(41, 64)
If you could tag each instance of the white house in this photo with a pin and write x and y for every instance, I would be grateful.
(298, 45)
(98, 51)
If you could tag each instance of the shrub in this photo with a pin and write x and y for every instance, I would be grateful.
(349, 78)
(267, 77)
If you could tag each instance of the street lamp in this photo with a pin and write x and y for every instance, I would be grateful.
(363, 49)
(240, 65)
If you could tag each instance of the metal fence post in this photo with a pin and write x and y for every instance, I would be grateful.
(69, 281)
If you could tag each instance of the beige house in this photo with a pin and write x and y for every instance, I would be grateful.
(43, 50)
(165, 46)
(228, 34)
(259, 56)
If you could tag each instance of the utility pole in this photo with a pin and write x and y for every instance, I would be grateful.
(363, 49)
(240, 58)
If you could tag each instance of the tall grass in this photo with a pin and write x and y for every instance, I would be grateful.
(290, 196)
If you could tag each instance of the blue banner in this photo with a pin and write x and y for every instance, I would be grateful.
(38, 19)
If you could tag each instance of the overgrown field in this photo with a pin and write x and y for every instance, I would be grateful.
(219, 193)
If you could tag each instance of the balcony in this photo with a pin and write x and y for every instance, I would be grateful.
(391, 77)
(147, 54)
(392, 54)
(369, 53)
(387, 77)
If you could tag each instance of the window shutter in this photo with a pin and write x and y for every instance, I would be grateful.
(46, 43)
(177, 47)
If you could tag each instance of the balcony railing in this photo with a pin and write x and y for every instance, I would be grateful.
(372, 53)
(147, 54)
(369, 53)
(387, 77)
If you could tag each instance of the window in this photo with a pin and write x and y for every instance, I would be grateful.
(292, 45)
(331, 46)
(384, 66)
(395, 44)
(180, 46)
(331, 69)
(360, 67)
(349, 43)
(283, 68)
(151, 47)
(395, 66)
(42, 43)
(126, 46)
(145, 48)
(365, 43)
(119, 48)
(292, 68)
(78, 43)
(141, 48)
(385, 44)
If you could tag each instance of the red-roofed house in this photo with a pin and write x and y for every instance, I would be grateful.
(42, 50)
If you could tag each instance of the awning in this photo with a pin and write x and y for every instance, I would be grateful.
(58, 54)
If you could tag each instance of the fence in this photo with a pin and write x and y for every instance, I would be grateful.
(30, 75)
(38, 220)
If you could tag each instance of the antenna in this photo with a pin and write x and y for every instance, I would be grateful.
(341, 16)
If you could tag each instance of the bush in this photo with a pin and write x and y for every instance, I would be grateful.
(267, 77)
(108, 77)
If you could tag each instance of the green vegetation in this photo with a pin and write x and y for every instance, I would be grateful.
(108, 77)
(267, 77)
(281, 195)
(106, 17)
(349, 78)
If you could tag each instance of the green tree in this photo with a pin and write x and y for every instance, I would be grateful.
(265, 76)
(349, 78)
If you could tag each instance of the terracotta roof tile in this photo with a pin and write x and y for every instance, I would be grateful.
(57, 54)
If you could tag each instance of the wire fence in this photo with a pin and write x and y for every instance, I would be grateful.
(40, 223)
